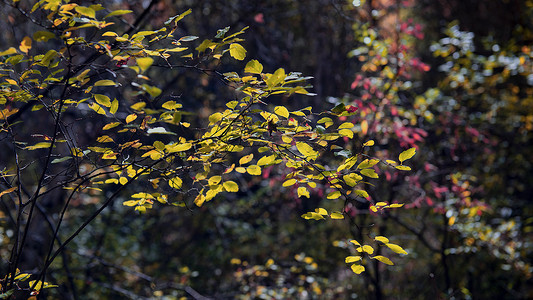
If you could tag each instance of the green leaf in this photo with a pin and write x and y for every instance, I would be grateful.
(276, 78)
(254, 67)
(237, 51)
(407, 154)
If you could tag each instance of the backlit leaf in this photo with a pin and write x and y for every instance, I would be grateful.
(357, 269)
(381, 239)
(130, 118)
(302, 191)
(214, 180)
(231, 186)
(145, 62)
(102, 100)
(351, 259)
(254, 170)
(281, 111)
(175, 183)
(40, 145)
(337, 215)
(246, 159)
(369, 173)
(306, 150)
(237, 51)
(253, 67)
(289, 182)
(334, 195)
(407, 154)
(383, 259)
(396, 248)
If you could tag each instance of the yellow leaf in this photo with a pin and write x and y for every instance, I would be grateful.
(104, 139)
(171, 105)
(358, 269)
(407, 154)
(130, 118)
(346, 132)
(396, 248)
(240, 170)
(114, 106)
(145, 62)
(306, 150)
(246, 159)
(102, 100)
(373, 208)
(369, 143)
(40, 145)
(281, 111)
(175, 183)
(5, 192)
(266, 160)
(254, 170)
(289, 182)
(110, 125)
(130, 202)
(368, 249)
(25, 45)
(334, 195)
(231, 186)
(351, 259)
(9, 51)
(237, 51)
(214, 180)
(396, 205)
(123, 180)
(321, 211)
(403, 168)
(105, 82)
(302, 191)
(97, 108)
(346, 125)
(369, 173)
(178, 147)
(337, 215)
(382, 239)
(383, 259)
(85, 11)
(199, 200)
(253, 67)
(355, 242)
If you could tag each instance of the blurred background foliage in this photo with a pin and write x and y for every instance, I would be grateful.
(452, 78)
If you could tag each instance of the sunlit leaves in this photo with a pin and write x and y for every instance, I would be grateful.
(307, 150)
(175, 182)
(281, 111)
(358, 269)
(237, 51)
(25, 45)
(40, 145)
(144, 63)
(303, 192)
(396, 248)
(407, 154)
(383, 259)
(351, 259)
(253, 67)
(253, 170)
(231, 186)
